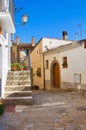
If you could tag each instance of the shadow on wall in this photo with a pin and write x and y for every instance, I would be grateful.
(35, 87)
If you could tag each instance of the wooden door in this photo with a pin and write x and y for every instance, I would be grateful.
(56, 75)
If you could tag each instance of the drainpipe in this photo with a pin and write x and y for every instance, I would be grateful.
(30, 66)
(43, 73)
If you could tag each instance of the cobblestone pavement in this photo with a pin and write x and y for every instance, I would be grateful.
(52, 110)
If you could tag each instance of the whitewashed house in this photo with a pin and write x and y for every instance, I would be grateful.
(6, 30)
(65, 66)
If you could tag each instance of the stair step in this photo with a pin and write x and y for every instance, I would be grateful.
(19, 100)
(18, 88)
(13, 98)
(18, 78)
(18, 72)
(18, 83)
(17, 93)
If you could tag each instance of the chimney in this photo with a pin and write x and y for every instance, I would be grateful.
(65, 36)
(33, 41)
(17, 40)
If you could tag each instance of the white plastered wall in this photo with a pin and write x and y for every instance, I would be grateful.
(4, 62)
(76, 64)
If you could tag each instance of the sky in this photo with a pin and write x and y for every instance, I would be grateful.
(49, 18)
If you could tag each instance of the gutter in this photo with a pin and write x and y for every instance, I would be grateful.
(43, 73)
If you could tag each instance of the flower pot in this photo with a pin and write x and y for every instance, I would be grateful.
(14, 68)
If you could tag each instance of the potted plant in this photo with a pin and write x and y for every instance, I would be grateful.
(14, 66)
(20, 67)
(65, 65)
(25, 68)
(24, 65)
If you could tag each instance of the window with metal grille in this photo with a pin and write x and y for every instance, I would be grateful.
(65, 64)
(47, 64)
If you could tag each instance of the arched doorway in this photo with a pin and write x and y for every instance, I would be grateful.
(55, 75)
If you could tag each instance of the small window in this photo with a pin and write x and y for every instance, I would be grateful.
(38, 72)
(65, 65)
(37, 52)
(47, 64)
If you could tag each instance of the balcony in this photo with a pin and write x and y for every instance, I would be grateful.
(6, 22)
(6, 15)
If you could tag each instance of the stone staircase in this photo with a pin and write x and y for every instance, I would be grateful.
(18, 88)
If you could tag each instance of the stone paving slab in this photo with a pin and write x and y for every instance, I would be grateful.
(51, 111)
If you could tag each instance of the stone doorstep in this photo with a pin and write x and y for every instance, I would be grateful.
(19, 101)
(13, 98)
(17, 93)
(8, 93)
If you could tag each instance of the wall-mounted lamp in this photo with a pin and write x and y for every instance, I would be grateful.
(24, 19)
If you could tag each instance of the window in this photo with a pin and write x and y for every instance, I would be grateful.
(47, 64)
(38, 72)
(65, 65)
(37, 52)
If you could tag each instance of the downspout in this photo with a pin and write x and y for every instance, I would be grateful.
(9, 51)
(30, 66)
(2, 72)
(1, 94)
(43, 73)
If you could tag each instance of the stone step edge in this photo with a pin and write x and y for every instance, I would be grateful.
(16, 75)
(17, 92)
(20, 71)
(13, 98)
(20, 80)
(17, 86)
(25, 76)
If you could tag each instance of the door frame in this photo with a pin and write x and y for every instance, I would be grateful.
(52, 75)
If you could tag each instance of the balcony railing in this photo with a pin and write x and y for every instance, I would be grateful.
(26, 62)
